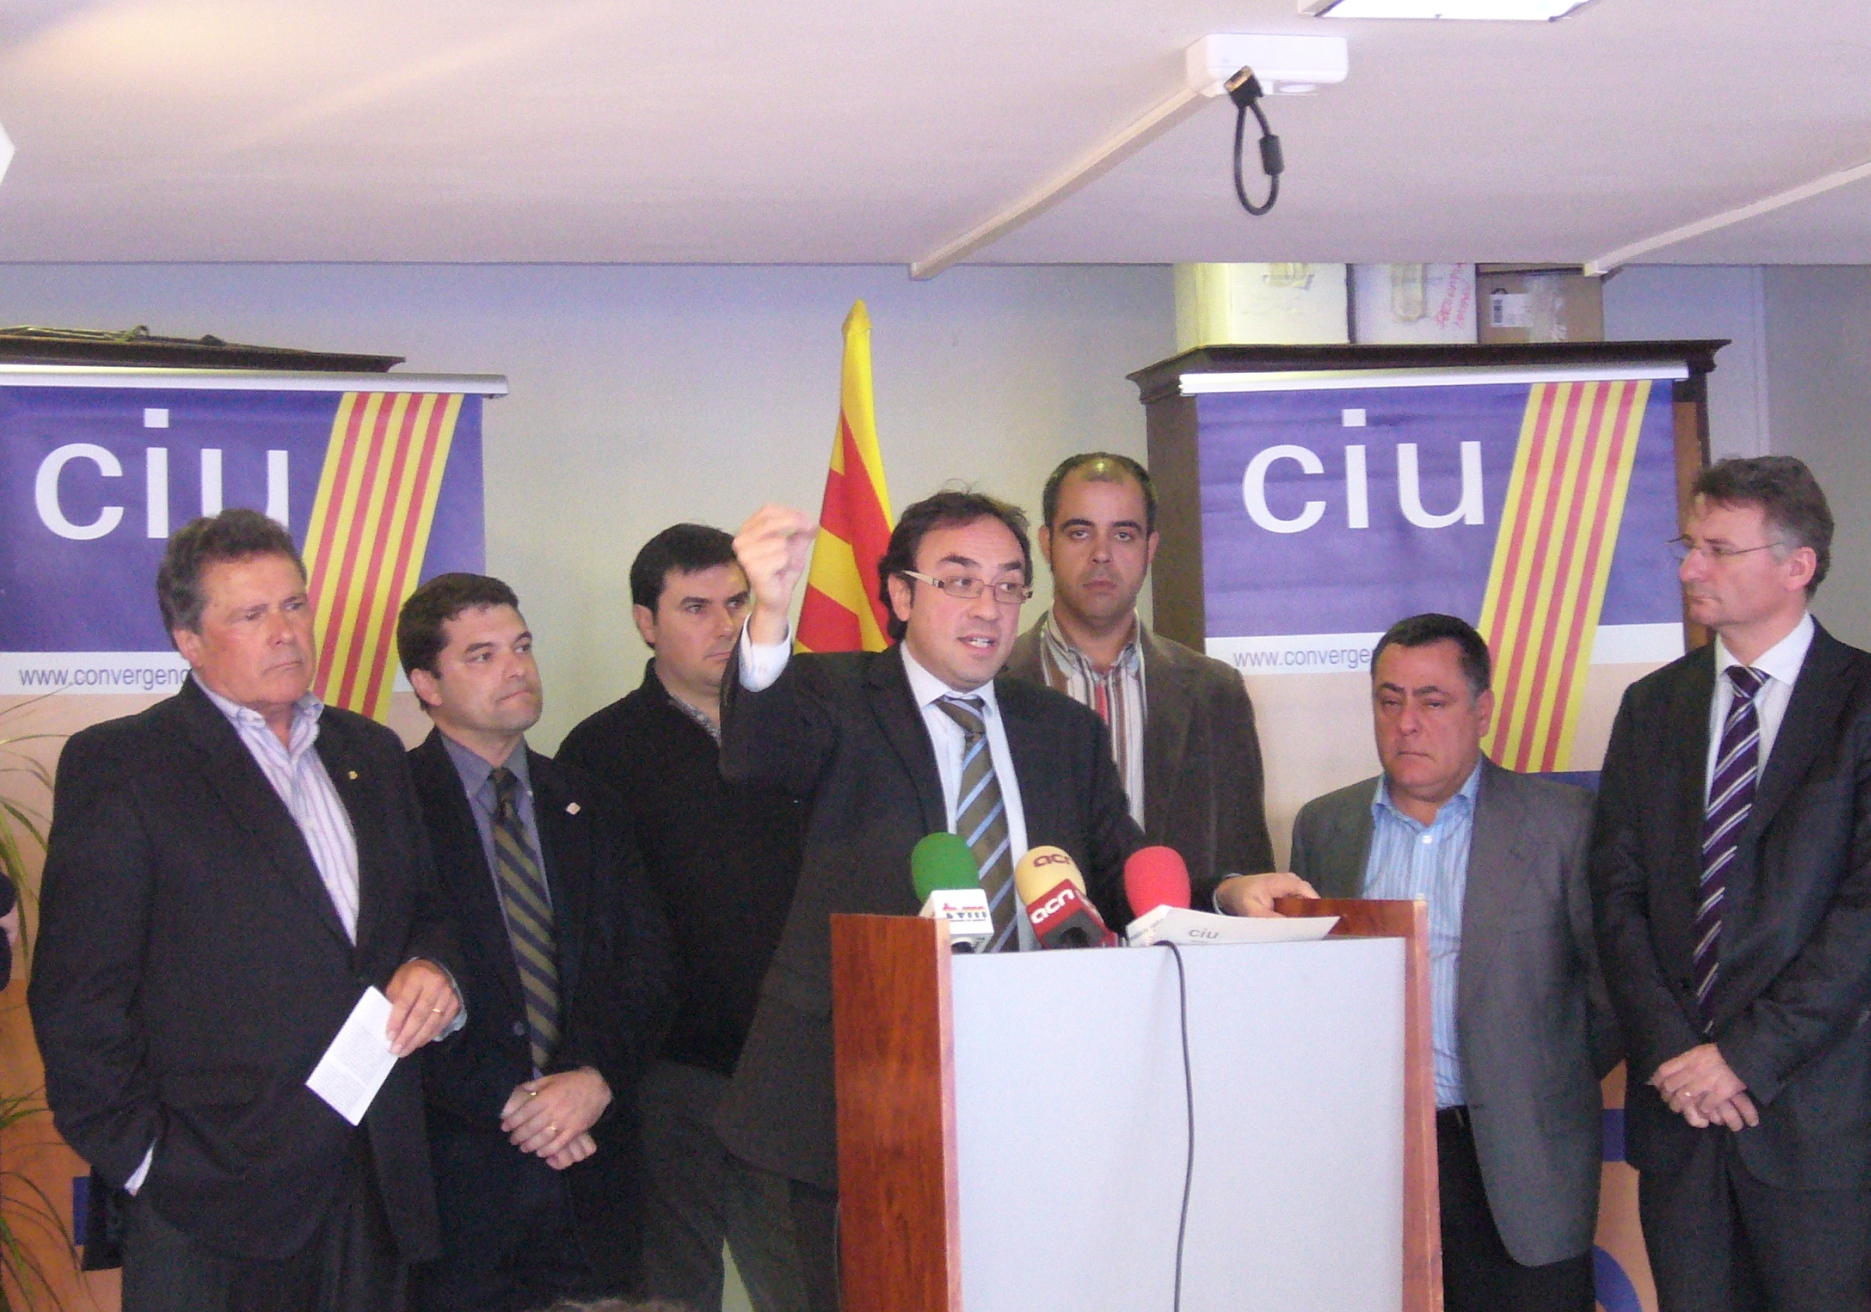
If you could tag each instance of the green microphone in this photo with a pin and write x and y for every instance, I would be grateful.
(948, 881)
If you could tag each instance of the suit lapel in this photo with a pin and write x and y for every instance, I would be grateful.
(1168, 704)
(360, 791)
(461, 859)
(252, 805)
(902, 724)
(562, 844)
(1497, 872)
(1810, 713)
(1690, 730)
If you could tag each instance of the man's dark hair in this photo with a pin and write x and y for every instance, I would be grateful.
(946, 509)
(419, 637)
(1099, 467)
(684, 548)
(232, 535)
(1422, 630)
(1790, 498)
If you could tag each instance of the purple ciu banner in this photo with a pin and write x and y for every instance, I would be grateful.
(1333, 512)
(94, 479)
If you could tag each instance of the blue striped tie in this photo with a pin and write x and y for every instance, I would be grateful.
(529, 918)
(1731, 798)
(981, 815)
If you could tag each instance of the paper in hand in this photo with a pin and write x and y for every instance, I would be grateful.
(358, 1061)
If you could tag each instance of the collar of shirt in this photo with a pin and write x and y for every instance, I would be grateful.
(305, 713)
(1781, 661)
(692, 712)
(477, 773)
(1063, 652)
(927, 689)
(1466, 795)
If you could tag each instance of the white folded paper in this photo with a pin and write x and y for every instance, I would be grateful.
(358, 1061)
(1187, 928)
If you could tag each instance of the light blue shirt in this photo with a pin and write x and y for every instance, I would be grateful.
(1412, 860)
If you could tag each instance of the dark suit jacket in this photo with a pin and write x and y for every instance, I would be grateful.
(613, 965)
(1203, 788)
(191, 970)
(1794, 981)
(1533, 1024)
(844, 731)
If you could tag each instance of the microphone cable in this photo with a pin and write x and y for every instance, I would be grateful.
(1188, 1092)
(1244, 90)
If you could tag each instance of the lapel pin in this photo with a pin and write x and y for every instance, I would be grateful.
(572, 809)
(351, 775)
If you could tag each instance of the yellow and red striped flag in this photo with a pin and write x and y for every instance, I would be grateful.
(369, 532)
(842, 611)
(1552, 560)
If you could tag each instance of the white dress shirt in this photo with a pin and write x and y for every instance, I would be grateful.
(762, 663)
(1780, 664)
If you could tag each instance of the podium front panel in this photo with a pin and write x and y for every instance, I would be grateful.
(1071, 1121)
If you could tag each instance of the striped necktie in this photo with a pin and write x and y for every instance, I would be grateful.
(981, 815)
(529, 917)
(1731, 798)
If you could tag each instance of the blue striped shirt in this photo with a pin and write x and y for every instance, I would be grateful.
(298, 776)
(1412, 860)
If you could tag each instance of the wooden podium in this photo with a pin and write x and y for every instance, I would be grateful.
(1013, 1129)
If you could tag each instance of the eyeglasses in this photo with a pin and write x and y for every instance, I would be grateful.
(967, 589)
(1684, 547)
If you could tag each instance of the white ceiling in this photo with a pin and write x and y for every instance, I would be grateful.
(765, 131)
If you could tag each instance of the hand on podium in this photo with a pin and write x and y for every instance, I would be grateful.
(1254, 895)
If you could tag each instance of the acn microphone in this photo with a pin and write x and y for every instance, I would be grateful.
(1054, 892)
(948, 881)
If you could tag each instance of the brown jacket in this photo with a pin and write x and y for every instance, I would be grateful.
(1203, 787)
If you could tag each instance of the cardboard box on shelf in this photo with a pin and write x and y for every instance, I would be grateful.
(1413, 303)
(1540, 305)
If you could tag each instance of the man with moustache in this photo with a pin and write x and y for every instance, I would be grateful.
(724, 856)
(227, 872)
(1731, 869)
(532, 1123)
(1181, 725)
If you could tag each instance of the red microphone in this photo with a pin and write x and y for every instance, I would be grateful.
(1156, 877)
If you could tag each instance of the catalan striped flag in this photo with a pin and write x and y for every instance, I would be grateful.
(1546, 586)
(842, 610)
(369, 532)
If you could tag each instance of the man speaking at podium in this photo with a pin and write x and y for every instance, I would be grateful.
(890, 747)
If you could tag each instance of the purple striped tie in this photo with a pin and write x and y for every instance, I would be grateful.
(1731, 797)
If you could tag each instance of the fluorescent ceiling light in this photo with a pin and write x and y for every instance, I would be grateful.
(6, 152)
(1526, 11)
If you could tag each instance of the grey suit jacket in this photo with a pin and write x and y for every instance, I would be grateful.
(1533, 1022)
(1203, 789)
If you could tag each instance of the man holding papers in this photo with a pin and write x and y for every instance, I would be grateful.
(1521, 1026)
(227, 874)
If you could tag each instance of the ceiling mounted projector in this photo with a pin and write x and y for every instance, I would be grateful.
(1521, 11)
(1284, 65)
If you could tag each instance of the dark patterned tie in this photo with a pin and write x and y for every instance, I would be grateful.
(1731, 797)
(529, 917)
(981, 816)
